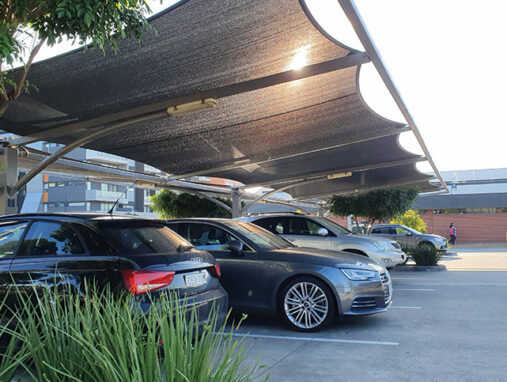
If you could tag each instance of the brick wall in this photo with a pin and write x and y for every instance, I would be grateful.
(471, 228)
(340, 220)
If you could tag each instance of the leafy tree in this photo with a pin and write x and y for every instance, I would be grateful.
(172, 205)
(374, 206)
(25, 25)
(410, 219)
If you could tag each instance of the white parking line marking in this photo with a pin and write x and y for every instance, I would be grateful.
(415, 278)
(315, 339)
(458, 284)
(406, 307)
(418, 289)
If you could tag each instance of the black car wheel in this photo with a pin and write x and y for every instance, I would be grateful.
(307, 304)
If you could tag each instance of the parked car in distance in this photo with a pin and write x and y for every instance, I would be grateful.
(126, 253)
(318, 232)
(307, 287)
(409, 237)
(359, 231)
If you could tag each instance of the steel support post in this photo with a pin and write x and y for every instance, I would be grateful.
(236, 203)
(8, 178)
(138, 192)
(349, 222)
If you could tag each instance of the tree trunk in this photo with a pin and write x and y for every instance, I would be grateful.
(357, 224)
(4, 102)
(370, 226)
(3, 106)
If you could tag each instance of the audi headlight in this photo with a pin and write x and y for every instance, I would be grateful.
(358, 274)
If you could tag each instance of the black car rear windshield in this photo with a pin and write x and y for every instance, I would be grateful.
(137, 237)
(263, 238)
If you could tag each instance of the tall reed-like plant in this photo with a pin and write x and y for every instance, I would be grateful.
(423, 255)
(12, 354)
(99, 337)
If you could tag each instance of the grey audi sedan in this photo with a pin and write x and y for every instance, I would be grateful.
(307, 287)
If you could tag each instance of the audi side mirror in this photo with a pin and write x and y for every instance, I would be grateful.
(322, 232)
(235, 246)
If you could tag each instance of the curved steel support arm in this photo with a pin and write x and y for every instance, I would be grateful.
(212, 199)
(350, 9)
(95, 134)
(302, 182)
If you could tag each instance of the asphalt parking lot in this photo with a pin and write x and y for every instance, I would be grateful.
(443, 326)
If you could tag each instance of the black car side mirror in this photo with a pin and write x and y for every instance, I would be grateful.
(235, 246)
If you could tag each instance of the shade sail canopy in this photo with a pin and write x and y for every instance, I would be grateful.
(274, 124)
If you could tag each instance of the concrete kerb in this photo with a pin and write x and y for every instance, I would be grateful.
(420, 268)
(478, 245)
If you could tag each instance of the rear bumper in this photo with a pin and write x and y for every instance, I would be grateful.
(205, 303)
(214, 300)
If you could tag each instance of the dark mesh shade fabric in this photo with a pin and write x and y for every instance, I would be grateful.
(364, 180)
(357, 156)
(200, 44)
(263, 134)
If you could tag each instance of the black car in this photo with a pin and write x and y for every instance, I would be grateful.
(308, 287)
(140, 255)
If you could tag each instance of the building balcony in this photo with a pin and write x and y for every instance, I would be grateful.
(106, 196)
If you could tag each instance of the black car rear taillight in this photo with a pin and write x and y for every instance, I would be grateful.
(215, 270)
(139, 282)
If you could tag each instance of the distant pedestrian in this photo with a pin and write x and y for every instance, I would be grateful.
(452, 233)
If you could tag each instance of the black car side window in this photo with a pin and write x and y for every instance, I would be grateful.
(47, 239)
(10, 234)
(208, 237)
(96, 244)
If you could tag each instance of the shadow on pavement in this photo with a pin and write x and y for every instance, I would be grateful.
(260, 323)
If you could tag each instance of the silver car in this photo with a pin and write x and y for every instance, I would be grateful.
(409, 237)
(318, 232)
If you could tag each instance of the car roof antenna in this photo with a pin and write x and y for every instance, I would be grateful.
(110, 212)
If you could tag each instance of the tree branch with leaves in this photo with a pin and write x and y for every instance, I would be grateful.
(26, 25)
(374, 206)
(169, 204)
